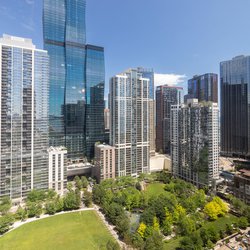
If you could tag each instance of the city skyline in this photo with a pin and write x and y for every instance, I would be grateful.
(174, 46)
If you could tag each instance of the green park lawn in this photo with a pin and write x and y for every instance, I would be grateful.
(77, 230)
(154, 189)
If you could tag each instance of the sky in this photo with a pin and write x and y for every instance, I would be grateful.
(177, 38)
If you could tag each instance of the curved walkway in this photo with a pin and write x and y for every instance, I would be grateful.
(110, 227)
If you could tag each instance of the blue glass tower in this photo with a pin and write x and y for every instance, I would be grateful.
(75, 69)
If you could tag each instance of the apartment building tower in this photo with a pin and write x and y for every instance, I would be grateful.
(129, 133)
(165, 97)
(24, 77)
(195, 142)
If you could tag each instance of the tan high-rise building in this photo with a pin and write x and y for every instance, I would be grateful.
(104, 162)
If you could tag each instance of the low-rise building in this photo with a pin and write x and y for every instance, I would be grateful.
(242, 185)
(57, 169)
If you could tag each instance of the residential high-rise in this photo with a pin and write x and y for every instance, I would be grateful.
(165, 97)
(57, 169)
(129, 111)
(76, 79)
(24, 117)
(235, 103)
(149, 74)
(203, 87)
(104, 162)
(195, 142)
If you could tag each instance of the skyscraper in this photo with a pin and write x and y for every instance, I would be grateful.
(24, 117)
(129, 111)
(204, 88)
(195, 142)
(165, 97)
(76, 79)
(235, 103)
(149, 74)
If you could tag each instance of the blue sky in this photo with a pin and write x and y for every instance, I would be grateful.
(178, 37)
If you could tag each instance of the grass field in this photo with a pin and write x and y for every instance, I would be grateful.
(154, 189)
(71, 231)
(220, 224)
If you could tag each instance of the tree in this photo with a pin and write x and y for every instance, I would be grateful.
(141, 230)
(5, 204)
(51, 194)
(59, 204)
(5, 222)
(78, 182)
(223, 206)
(36, 195)
(137, 241)
(21, 214)
(122, 225)
(71, 200)
(154, 242)
(112, 245)
(212, 210)
(213, 234)
(229, 228)
(166, 228)
(34, 209)
(192, 242)
(156, 225)
(87, 198)
(84, 181)
(50, 207)
(186, 226)
(243, 222)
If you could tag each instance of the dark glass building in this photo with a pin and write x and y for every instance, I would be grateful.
(235, 106)
(165, 97)
(203, 87)
(76, 79)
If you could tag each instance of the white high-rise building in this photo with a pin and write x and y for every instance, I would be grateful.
(57, 169)
(195, 142)
(24, 84)
(129, 111)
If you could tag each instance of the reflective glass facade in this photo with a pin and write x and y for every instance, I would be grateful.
(65, 40)
(203, 87)
(24, 117)
(95, 83)
(235, 106)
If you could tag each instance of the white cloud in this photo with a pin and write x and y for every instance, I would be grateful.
(169, 79)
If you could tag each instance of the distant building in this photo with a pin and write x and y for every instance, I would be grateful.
(106, 119)
(57, 169)
(242, 186)
(24, 77)
(160, 162)
(195, 142)
(165, 97)
(203, 87)
(129, 134)
(235, 102)
(104, 162)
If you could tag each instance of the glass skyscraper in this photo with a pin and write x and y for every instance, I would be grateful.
(24, 117)
(235, 106)
(76, 79)
(203, 87)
